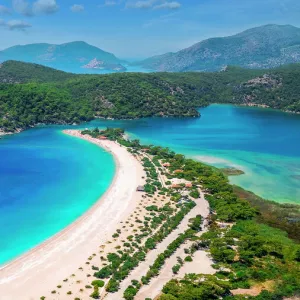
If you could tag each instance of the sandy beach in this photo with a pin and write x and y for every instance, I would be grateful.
(63, 266)
(153, 289)
(33, 274)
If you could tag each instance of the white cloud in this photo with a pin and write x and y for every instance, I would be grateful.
(109, 3)
(77, 8)
(24, 7)
(4, 10)
(168, 5)
(140, 4)
(153, 4)
(45, 7)
(15, 24)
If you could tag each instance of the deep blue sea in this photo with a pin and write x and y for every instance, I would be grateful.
(48, 179)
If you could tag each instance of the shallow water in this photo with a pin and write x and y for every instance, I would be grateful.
(264, 143)
(48, 179)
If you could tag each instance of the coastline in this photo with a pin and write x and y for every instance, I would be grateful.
(30, 275)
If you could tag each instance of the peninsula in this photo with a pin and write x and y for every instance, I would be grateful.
(168, 228)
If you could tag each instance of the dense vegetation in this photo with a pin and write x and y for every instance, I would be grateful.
(111, 134)
(31, 94)
(20, 72)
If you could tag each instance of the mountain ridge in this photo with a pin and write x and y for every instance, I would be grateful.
(65, 57)
(267, 46)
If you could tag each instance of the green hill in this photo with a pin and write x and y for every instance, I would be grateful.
(20, 72)
(31, 94)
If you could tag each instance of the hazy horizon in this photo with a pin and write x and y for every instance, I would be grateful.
(136, 29)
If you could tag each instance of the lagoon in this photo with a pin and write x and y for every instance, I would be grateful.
(47, 180)
(264, 143)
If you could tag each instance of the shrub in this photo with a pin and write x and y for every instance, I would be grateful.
(194, 194)
(150, 244)
(104, 272)
(95, 293)
(179, 260)
(188, 258)
(98, 283)
(112, 286)
(130, 292)
(176, 268)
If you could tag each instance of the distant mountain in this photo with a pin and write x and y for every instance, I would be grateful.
(71, 57)
(263, 47)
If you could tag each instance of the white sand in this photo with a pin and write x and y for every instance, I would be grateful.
(41, 269)
(156, 284)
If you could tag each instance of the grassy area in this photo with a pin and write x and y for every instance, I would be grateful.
(283, 216)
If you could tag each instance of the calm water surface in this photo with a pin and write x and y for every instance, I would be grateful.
(264, 143)
(47, 179)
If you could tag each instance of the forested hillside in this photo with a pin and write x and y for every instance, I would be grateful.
(32, 94)
(20, 72)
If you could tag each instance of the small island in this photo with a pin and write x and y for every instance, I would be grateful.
(102, 65)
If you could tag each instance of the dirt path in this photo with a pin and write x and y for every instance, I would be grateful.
(155, 286)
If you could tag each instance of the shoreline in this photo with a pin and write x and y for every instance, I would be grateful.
(19, 277)
(65, 230)
(249, 105)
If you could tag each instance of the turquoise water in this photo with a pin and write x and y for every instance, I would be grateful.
(47, 179)
(77, 70)
(264, 143)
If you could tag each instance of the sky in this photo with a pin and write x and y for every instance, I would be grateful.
(136, 28)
